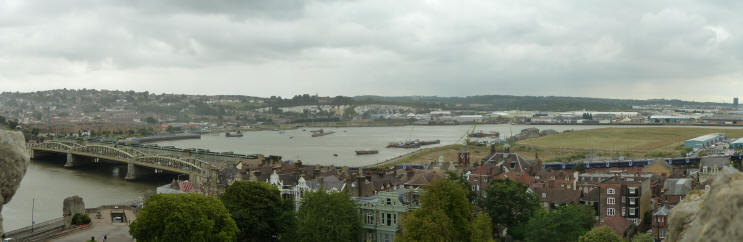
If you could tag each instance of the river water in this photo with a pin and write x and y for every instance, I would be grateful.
(49, 183)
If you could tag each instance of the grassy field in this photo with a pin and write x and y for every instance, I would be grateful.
(426, 156)
(614, 142)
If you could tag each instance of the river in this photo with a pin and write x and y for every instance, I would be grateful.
(50, 183)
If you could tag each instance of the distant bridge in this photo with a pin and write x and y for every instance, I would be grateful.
(199, 170)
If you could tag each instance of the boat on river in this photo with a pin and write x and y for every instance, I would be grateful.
(483, 134)
(429, 142)
(406, 144)
(367, 152)
(321, 132)
(234, 134)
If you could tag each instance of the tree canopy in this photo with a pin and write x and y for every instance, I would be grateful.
(328, 217)
(444, 214)
(565, 223)
(258, 210)
(509, 205)
(643, 238)
(600, 234)
(183, 217)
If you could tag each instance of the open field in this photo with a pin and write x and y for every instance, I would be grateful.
(613, 142)
(428, 155)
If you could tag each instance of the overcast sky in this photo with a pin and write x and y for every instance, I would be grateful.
(691, 50)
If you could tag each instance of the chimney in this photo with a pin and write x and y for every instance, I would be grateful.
(360, 181)
(411, 173)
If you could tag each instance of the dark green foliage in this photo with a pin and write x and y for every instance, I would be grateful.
(580, 167)
(509, 205)
(327, 217)
(183, 217)
(258, 210)
(600, 234)
(471, 195)
(80, 219)
(565, 223)
(444, 214)
(151, 120)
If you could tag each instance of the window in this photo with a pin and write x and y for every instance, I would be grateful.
(544, 195)
(631, 211)
(394, 219)
(632, 201)
(704, 169)
(610, 212)
(624, 211)
(633, 190)
(610, 191)
(662, 233)
(381, 221)
(389, 201)
(585, 190)
(611, 201)
(624, 199)
(389, 219)
(369, 218)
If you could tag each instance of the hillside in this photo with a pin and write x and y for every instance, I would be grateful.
(530, 103)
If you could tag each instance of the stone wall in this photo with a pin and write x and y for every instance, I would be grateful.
(71, 206)
(714, 215)
(13, 163)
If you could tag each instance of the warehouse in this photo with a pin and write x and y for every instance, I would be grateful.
(738, 144)
(704, 140)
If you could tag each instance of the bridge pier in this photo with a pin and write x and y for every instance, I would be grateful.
(31, 154)
(131, 173)
(70, 161)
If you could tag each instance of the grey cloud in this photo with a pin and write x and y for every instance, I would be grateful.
(380, 47)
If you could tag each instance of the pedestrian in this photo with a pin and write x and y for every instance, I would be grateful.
(105, 237)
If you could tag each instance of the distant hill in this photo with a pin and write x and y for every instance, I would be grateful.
(530, 103)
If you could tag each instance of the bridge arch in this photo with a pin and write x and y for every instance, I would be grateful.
(107, 151)
(54, 145)
(183, 164)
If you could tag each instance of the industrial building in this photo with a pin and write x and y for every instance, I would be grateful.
(738, 144)
(704, 140)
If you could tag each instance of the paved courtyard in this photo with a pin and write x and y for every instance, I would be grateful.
(104, 226)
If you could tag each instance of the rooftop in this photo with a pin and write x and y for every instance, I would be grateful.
(706, 137)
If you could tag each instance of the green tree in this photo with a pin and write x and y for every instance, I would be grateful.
(424, 225)
(151, 120)
(565, 223)
(441, 197)
(328, 217)
(183, 217)
(258, 210)
(482, 229)
(641, 237)
(509, 205)
(471, 195)
(600, 234)
(580, 167)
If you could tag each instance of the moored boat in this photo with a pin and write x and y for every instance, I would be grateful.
(429, 142)
(366, 152)
(321, 132)
(483, 134)
(234, 134)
